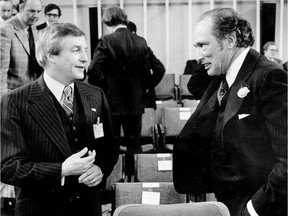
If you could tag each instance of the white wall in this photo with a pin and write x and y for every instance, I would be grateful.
(156, 23)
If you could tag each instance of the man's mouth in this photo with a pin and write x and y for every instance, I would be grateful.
(207, 66)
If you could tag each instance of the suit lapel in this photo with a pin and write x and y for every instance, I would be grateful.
(234, 101)
(21, 34)
(86, 99)
(43, 110)
(207, 96)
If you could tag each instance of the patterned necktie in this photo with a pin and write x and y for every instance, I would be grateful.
(67, 100)
(222, 90)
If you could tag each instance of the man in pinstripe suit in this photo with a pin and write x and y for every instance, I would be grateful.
(57, 159)
(235, 143)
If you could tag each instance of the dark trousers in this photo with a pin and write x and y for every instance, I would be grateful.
(131, 125)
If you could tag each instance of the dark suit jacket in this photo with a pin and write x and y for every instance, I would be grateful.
(15, 54)
(120, 67)
(158, 71)
(199, 80)
(41, 26)
(257, 140)
(34, 145)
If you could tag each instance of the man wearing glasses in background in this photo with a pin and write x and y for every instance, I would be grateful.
(270, 50)
(52, 14)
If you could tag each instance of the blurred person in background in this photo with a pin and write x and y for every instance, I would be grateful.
(52, 14)
(18, 35)
(270, 50)
(6, 9)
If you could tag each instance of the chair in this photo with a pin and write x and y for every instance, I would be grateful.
(146, 193)
(163, 104)
(190, 103)
(166, 90)
(117, 175)
(184, 92)
(153, 167)
(173, 120)
(149, 141)
(185, 97)
(184, 209)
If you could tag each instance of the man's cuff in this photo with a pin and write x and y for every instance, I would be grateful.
(63, 181)
(251, 209)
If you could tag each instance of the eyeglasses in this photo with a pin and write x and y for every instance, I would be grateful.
(52, 15)
(273, 50)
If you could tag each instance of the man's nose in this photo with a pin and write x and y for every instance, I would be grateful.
(199, 55)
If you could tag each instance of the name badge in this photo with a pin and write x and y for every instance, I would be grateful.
(98, 129)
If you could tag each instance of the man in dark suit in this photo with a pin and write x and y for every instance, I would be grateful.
(56, 136)
(120, 67)
(157, 71)
(52, 13)
(235, 143)
(18, 62)
(199, 80)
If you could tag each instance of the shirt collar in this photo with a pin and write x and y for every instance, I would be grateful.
(235, 67)
(55, 87)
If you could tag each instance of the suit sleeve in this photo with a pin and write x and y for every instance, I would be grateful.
(17, 166)
(157, 68)
(5, 57)
(272, 196)
(96, 68)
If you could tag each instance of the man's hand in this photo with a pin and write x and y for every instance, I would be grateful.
(92, 177)
(76, 164)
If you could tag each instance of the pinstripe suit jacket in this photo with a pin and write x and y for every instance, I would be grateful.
(34, 143)
(15, 53)
(254, 132)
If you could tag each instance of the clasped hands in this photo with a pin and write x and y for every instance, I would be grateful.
(89, 173)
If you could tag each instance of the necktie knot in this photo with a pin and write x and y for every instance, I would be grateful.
(67, 92)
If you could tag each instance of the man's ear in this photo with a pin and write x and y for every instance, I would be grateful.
(231, 40)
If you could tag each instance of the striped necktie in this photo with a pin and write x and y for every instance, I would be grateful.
(67, 100)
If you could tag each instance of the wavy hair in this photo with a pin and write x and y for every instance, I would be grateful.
(226, 21)
(50, 41)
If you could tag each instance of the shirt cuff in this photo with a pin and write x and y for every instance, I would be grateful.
(63, 181)
(251, 209)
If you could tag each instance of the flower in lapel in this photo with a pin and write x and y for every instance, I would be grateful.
(243, 91)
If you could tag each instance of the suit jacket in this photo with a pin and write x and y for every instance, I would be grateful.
(254, 132)
(158, 71)
(199, 80)
(41, 26)
(15, 53)
(34, 146)
(120, 67)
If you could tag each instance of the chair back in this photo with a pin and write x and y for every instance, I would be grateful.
(185, 209)
(165, 89)
(153, 167)
(146, 193)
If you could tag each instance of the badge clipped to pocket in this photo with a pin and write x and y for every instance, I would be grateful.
(98, 129)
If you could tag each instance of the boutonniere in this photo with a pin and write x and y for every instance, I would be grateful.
(243, 91)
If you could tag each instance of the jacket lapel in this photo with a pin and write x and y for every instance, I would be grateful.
(234, 101)
(21, 34)
(43, 110)
(86, 99)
